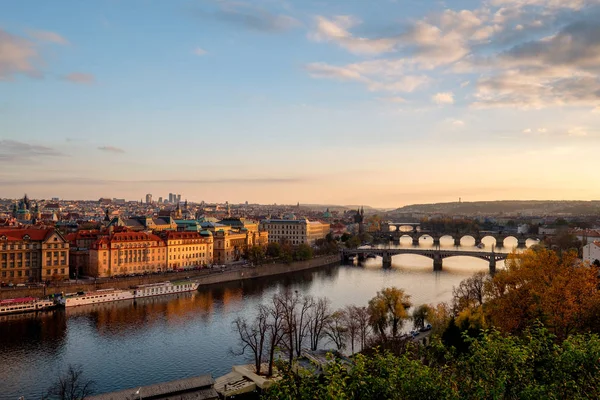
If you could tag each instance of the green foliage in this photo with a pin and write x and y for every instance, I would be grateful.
(303, 252)
(256, 254)
(274, 250)
(533, 366)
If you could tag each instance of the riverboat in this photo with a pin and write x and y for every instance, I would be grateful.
(98, 296)
(157, 289)
(23, 305)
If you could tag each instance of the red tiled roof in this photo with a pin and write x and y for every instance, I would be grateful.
(183, 235)
(36, 234)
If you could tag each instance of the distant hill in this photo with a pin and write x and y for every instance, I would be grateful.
(527, 207)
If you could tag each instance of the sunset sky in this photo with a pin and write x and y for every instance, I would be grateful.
(380, 102)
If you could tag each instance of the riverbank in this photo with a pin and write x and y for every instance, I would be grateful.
(204, 277)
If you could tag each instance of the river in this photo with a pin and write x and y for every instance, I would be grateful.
(122, 345)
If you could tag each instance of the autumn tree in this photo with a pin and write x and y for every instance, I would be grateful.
(256, 254)
(419, 315)
(470, 292)
(555, 288)
(388, 309)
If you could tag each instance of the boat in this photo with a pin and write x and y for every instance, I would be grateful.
(157, 289)
(98, 296)
(107, 295)
(24, 304)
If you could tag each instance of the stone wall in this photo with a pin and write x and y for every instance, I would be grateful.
(204, 277)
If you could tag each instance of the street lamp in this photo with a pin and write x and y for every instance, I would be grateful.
(138, 393)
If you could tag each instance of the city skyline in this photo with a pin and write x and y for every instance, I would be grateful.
(269, 101)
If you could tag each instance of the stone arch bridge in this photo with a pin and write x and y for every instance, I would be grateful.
(437, 255)
(415, 234)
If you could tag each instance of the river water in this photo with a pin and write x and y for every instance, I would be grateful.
(124, 345)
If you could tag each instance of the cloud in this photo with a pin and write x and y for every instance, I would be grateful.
(393, 99)
(12, 151)
(528, 130)
(250, 17)
(542, 130)
(577, 131)
(17, 56)
(457, 122)
(370, 75)
(199, 52)
(80, 78)
(111, 149)
(443, 98)
(336, 30)
(47, 36)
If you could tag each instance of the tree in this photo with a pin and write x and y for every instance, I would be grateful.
(336, 328)
(352, 325)
(71, 385)
(303, 252)
(353, 242)
(274, 250)
(389, 309)
(318, 316)
(470, 292)
(253, 336)
(275, 330)
(419, 315)
(361, 314)
(555, 288)
(256, 254)
(345, 237)
(295, 310)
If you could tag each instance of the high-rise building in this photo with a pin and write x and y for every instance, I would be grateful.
(148, 198)
(160, 200)
(178, 198)
(171, 198)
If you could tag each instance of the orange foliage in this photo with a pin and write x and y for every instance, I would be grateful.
(558, 290)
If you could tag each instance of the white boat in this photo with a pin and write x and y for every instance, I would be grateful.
(157, 289)
(98, 296)
(23, 305)
(106, 295)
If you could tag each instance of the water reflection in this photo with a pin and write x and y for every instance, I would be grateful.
(128, 344)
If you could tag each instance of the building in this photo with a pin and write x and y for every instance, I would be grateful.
(188, 249)
(233, 236)
(149, 198)
(145, 223)
(127, 252)
(591, 252)
(295, 231)
(33, 255)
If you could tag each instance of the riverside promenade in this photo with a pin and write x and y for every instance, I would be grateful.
(206, 276)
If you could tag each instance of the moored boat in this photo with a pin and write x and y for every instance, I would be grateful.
(98, 296)
(24, 304)
(157, 289)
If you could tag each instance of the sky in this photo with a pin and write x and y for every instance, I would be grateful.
(382, 102)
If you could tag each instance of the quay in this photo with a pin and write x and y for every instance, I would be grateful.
(198, 387)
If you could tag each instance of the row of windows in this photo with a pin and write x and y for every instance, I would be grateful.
(179, 256)
(19, 264)
(50, 254)
(17, 256)
(50, 272)
(12, 273)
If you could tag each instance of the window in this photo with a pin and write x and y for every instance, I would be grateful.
(62, 270)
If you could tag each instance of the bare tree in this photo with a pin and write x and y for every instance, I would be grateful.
(253, 335)
(352, 325)
(71, 385)
(336, 328)
(470, 292)
(302, 318)
(319, 314)
(275, 330)
(288, 304)
(361, 314)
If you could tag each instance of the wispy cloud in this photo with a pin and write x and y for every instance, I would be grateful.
(80, 78)
(199, 51)
(47, 36)
(249, 17)
(111, 149)
(17, 56)
(13, 151)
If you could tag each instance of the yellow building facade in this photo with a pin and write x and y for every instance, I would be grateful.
(33, 255)
(295, 231)
(188, 249)
(124, 253)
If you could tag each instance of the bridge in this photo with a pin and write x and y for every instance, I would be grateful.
(392, 231)
(437, 255)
